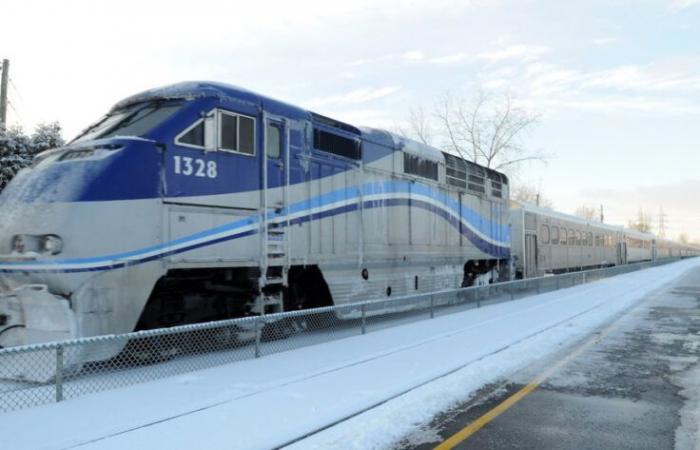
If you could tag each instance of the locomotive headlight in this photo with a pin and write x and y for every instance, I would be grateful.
(51, 244)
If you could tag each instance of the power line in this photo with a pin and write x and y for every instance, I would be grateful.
(14, 105)
(14, 88)
(21, 119)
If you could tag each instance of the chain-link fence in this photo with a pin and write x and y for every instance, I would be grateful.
(52, 372)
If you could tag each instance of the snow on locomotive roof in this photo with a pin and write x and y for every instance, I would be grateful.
(402, 143)
(417, 148)
(190, 90)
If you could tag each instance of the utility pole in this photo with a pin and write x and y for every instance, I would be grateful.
(662, 222)
(3, 93)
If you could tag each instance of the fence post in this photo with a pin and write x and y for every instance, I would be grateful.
(257, 337)
(584, 278)
(59, 373)
(432, 306)
(557, 277)
(363, 309)
(478, 300)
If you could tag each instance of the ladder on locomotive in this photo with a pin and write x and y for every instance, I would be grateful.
(274, 224)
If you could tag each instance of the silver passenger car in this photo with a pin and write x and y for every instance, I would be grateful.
(550, 242)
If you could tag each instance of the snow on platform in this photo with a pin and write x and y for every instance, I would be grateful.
(275, 400)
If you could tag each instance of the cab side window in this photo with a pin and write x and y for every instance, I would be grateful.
(236, 133)
(192, 136)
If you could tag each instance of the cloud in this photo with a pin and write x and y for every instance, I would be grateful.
(450, 59)
(678, 5)
(612, 104)
(375, 118)
(646, 78)
(413, 55)
(664, 87)
(520, 52)
(356, 96)
(602, 41)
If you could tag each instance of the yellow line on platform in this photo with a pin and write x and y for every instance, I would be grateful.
(502, 407)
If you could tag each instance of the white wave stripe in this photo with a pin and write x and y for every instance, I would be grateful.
(388, 196)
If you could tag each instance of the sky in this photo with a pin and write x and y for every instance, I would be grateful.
(616, 83)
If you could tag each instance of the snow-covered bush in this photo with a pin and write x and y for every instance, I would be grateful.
(17, 149)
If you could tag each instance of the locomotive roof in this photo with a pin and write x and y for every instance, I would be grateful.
(190, 90)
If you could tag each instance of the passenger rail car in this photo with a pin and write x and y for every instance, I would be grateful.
(550, 242)
(546, 241)
(202, 201)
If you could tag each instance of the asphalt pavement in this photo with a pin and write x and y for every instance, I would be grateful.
(635, 388)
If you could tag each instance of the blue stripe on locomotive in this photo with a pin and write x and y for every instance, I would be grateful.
(449, 211)
(133, 171)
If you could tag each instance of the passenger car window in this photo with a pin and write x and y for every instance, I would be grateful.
(555, 235)
(563, 236)
(544, 234)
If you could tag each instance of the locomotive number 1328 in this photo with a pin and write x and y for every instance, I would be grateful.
(184, 165)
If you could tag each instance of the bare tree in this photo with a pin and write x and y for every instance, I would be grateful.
(683, 238)
(420, 126)
(487, 130)
(530, 194)
(587, 213)
(642, 222)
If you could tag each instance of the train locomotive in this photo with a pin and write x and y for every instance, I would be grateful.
(202, 201)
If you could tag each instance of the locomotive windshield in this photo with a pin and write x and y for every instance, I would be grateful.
(136, 120)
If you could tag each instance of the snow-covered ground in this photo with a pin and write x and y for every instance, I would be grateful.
(401, 377)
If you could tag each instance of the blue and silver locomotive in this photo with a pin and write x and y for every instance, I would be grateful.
(202, 201)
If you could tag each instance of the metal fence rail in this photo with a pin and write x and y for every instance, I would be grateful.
(52, 372)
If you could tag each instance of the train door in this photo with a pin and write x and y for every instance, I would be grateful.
(211, 178)
(530, 255)
(276, 162)
(622, 252)
(275, 170)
